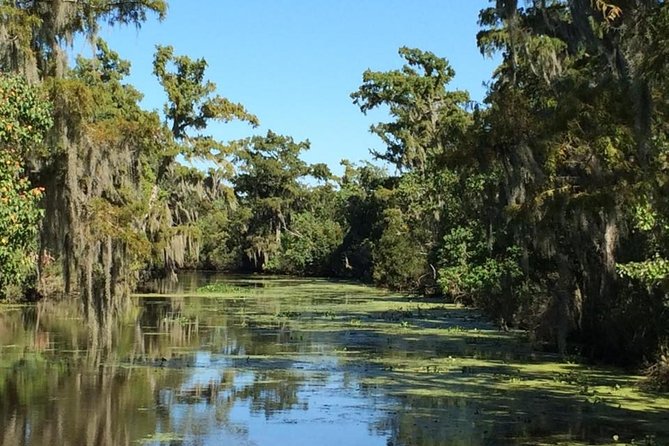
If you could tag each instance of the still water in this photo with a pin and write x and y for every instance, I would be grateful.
(276, 361)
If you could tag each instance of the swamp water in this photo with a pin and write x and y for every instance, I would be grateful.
(275, 361)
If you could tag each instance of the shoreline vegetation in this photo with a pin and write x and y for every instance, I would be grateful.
(544, 206)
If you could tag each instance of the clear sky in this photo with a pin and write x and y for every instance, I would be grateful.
(294, 63)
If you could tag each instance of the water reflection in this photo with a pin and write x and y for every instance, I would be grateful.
(284, 362)
(179, 370)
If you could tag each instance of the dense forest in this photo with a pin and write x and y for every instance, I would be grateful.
(545, 206)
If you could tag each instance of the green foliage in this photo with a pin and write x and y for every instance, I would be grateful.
(38, 29)
(469, 272)
(573, 127)
(19, 220)
(308, 247)
(24, 118)
(268, 183)
(104, 74)
(428, 118)
(650, 223)
(398, 263)
(223, 228)
(429, 128)
(190, 104)
(359, 212)
(651, 271)
(184, 194)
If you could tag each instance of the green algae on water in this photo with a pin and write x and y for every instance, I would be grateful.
(286, 358)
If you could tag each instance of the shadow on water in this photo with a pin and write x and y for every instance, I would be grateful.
(288, 361)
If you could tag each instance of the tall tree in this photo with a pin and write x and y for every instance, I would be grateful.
(95, 224)
(191, 105)
(572, 124)
(87, 167)
(268, 183)
(428, 119)
(429, 126)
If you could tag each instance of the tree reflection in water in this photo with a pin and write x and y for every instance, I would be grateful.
(66, 381)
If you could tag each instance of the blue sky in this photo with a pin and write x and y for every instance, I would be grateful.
(294, 63)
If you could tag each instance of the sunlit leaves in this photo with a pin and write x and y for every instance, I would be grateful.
(428, 119)
(650, 272)
(24, 117)
(609, 11)
(191, 102)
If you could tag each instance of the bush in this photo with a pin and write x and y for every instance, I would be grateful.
(398, 261)
(309, 247)
(23, 120)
